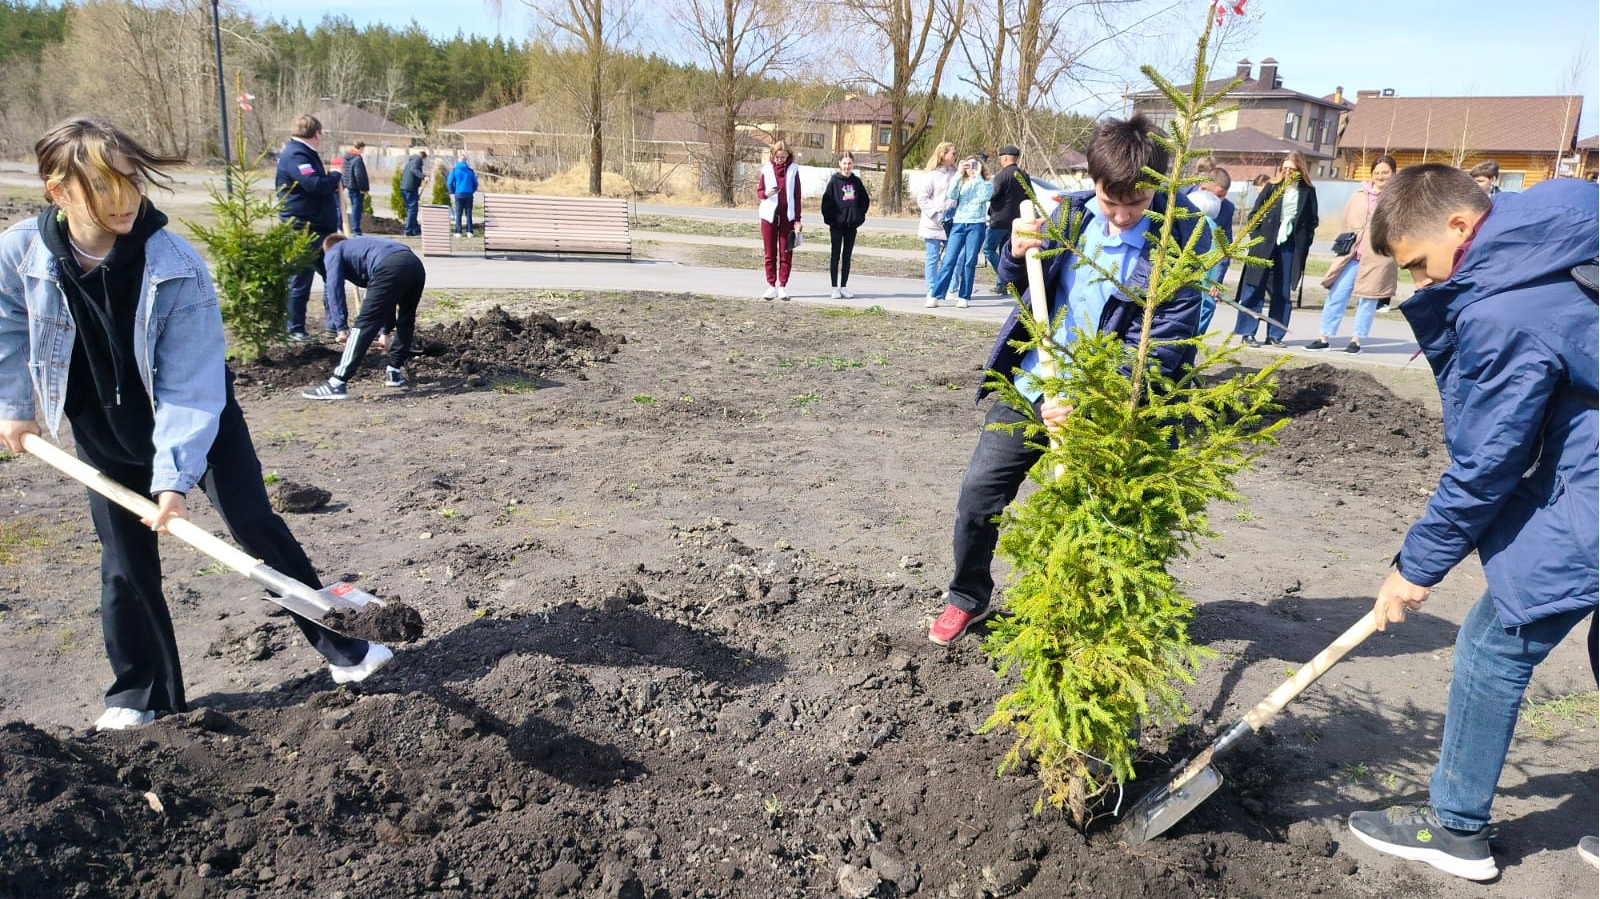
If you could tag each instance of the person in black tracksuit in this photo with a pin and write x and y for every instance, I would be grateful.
(95, 289)
(394, 278)
(844, 208)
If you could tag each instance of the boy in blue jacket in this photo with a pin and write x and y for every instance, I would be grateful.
(1114, 228)
(394, 278)
(462, 183)
(1506, 316)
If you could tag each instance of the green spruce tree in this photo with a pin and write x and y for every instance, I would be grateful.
(1097, 637)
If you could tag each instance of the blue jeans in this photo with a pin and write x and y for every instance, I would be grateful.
(357, 199)
(463, 209)
(335, 313)
(1275, 282)
(930, 265)
(410, 198)
(960, 259)
(1339, 298)
(991, 249)
(1492, 668)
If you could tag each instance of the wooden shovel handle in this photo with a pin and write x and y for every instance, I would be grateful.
(1268, 708)
(1039, 302)
(140, 505)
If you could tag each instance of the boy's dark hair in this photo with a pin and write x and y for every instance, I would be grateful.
(1419, 200)
(332, 240)
(1120, 152)
(305, 126)
(1486, 169)
(1220, 177)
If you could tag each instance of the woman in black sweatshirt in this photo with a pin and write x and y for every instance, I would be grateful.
(844, 208)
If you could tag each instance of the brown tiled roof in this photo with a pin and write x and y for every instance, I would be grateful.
(1065, 158)
(513, 119)
(1249, 140)
(1478, 124)
(1250, 89)
(764, 109)
(342, 119)
(1590, 143)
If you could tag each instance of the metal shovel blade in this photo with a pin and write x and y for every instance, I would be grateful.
(1164, 807)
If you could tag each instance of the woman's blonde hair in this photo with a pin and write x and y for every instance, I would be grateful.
(777, 146)
(79, 152)
(1299, 160)
(938, 154)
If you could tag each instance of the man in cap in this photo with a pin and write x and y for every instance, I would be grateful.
(1004, 207)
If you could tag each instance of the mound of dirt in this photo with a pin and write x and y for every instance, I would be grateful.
(472, 353)
(1350, 432)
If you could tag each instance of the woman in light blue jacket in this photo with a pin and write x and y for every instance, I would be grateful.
(111, 321)
(970, 192)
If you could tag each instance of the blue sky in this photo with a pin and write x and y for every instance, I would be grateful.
(1417, 47)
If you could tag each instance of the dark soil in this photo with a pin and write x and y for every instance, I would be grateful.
(676, 608)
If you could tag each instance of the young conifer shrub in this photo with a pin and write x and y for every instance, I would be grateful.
(253, 253)
(397, 203)
(1097, 638)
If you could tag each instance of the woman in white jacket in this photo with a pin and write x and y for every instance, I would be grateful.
(933, 200)
(779, 191)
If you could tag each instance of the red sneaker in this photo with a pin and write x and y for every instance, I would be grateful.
(953, 623)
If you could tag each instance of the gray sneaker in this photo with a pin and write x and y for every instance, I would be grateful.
(394, 377)
(327, 390)
(1416, 834)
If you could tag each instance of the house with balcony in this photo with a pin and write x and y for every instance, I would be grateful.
(1532, 138)
(1269, 121)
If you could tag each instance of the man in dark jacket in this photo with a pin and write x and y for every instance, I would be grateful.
(356, 185)
(1506, 316)
(1003, 208)
(411, 178)
(394, 278)
(1113, 232)
(310, 201)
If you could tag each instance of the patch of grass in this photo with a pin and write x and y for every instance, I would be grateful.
(835, 363)
(516, 385)
(805, 403)
(447, 513)
(1339, 554)
(1355, 773)
(1548, 719)
(25, 537)
(851, 311)
(643, 399)
(1245, 515)
(271, 477)
(214, 568)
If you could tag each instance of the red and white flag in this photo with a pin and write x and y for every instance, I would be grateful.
(245, 100)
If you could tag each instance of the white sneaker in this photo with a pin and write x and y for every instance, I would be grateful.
(837, 294)
(783, 293)
(846, 294)
(962, 304)
(932, 302)
(771, 294)
(377, 656)
(122, 719)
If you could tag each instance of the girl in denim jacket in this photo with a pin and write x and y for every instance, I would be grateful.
(112, 321)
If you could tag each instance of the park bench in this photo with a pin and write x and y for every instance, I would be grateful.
(522, 223)
(435, 223)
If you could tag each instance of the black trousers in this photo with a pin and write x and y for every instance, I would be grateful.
(999, 465)
(134, 618)
(842, 244)
(393, 291)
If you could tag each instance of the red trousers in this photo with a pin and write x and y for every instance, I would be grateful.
(775, 246)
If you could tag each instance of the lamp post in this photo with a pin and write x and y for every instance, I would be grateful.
(222, 94)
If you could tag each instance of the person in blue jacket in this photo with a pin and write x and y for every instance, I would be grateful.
(110, 321)
(394, 278)
(311, 201)
(1507, 319)
(1115, 233)
(462, 184)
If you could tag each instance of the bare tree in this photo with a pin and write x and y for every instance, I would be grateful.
(744, 41)
(912, 40)
(595, 30)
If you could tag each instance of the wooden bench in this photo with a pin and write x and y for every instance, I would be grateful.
(522, 223)
(435, 223)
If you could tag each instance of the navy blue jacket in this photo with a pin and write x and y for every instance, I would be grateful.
(1512, 339)
(355, 260)
(307, 189)
(1176, 319)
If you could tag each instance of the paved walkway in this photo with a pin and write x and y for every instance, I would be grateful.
(1391, 342)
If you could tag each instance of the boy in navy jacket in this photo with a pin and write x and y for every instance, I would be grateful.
(1114, 232)
(1507, 319)
(394, 278)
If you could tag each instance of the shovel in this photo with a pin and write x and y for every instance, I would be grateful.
(1190, 783)
(293, 595)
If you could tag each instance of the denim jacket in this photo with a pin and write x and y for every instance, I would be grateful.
(179, 341)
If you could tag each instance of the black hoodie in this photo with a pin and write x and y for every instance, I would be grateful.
(111, 413)
(844, 202)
